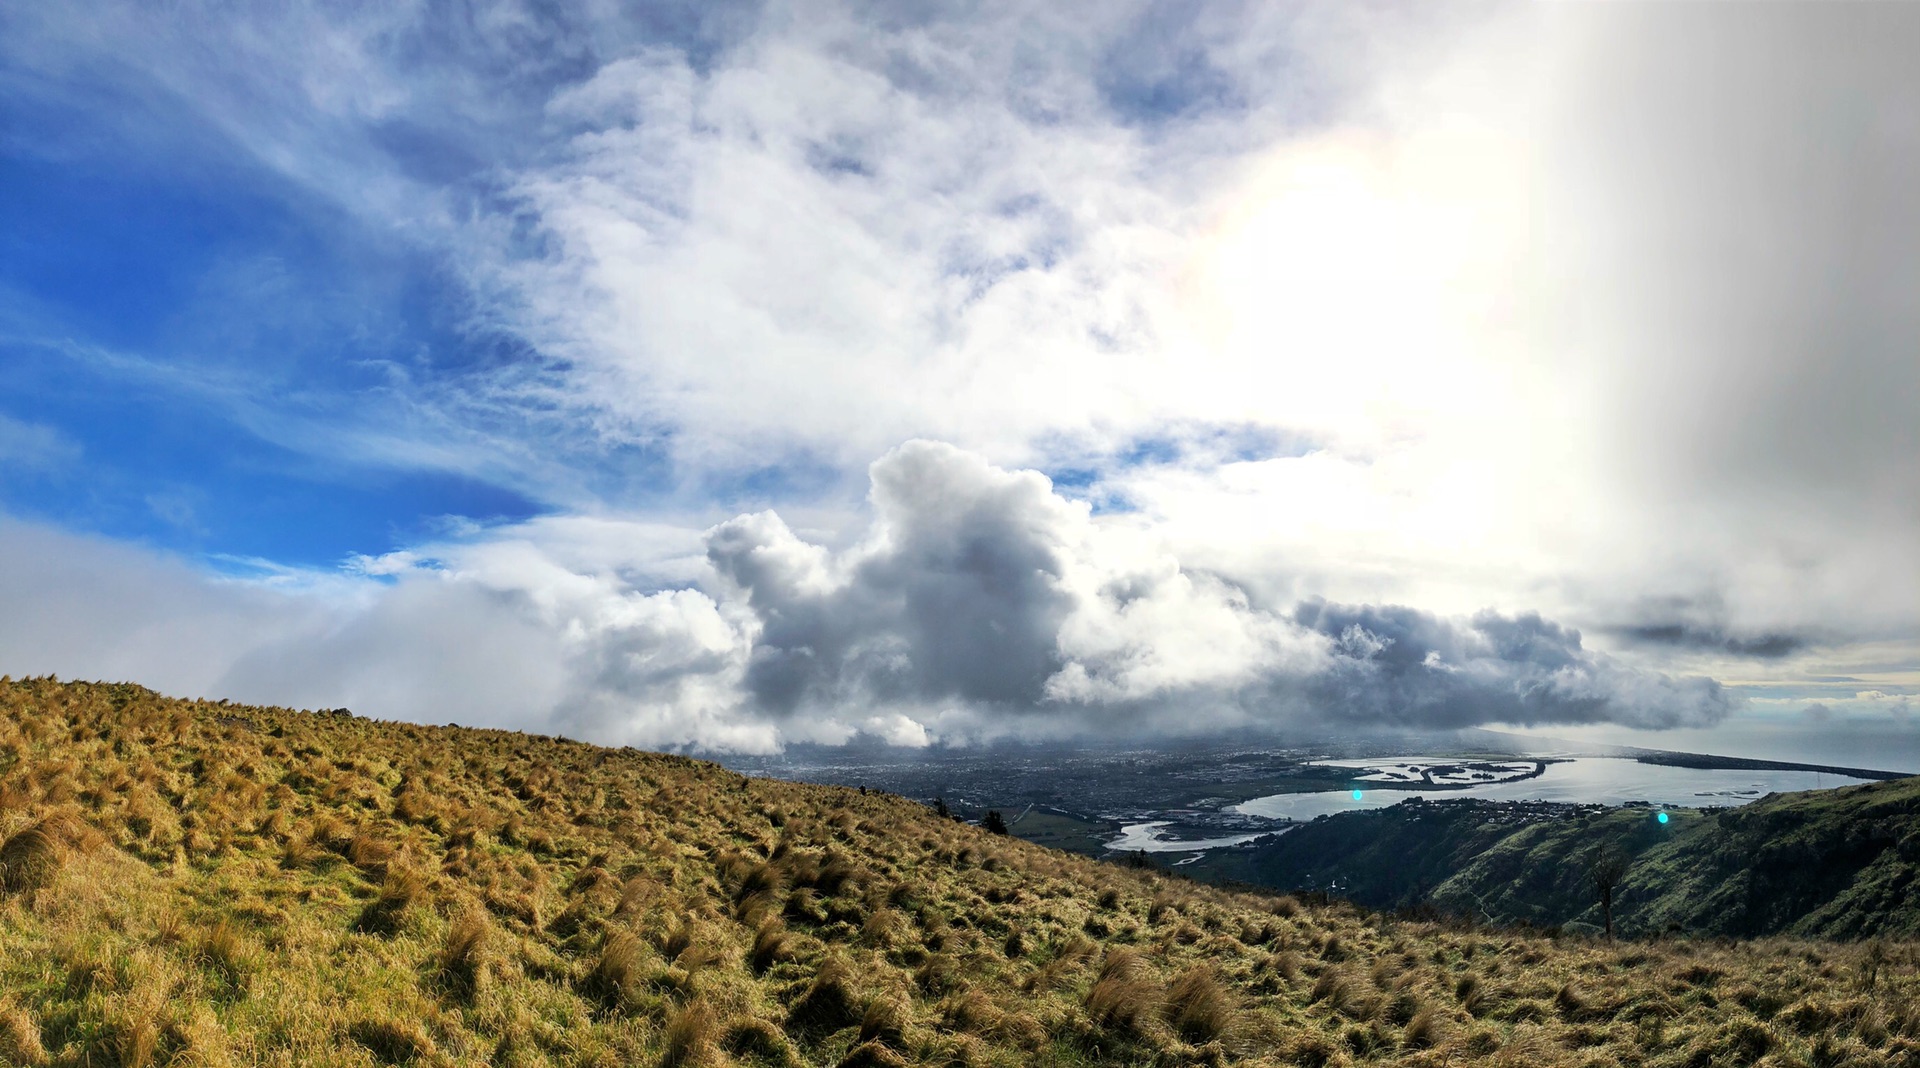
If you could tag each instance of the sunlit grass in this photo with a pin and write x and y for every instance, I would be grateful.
(206, 884)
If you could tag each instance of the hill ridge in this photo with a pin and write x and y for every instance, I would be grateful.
(1834, 863)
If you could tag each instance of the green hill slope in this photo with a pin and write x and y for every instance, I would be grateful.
(203, 884)
(1831, 863)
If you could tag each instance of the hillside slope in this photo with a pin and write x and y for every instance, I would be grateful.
(1829, 863)
(194, 883)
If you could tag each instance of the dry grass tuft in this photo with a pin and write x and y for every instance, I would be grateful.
(1335, 989)
(370, 853)
(872, 1055)
(617, 975)
(770, 946)
(29, 859)
(1198, 1007)
(972, 1013)
(229, 953)
(463, 957)
(20, 1041)
(677, 941)
(394, 1041)
(1423, 1031)
(399, 891)
(1125, 996)
(1163, 904)
(882, 927)
(135, 1037)
(691, 1031)
(1571, 1003)
(302, 851)
(885, 1021)
(828, 1004)
(761, 1041)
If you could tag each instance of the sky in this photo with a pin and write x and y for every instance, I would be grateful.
(720, 376)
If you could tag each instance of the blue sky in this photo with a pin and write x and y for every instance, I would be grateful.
(195, 335)
(566, 368)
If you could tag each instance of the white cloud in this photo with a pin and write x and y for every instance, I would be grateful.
(1595, 312)
(979, 604)
(89, 607)
(838, 237)
(35, 447)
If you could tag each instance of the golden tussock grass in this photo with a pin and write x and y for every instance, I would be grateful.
(197, 883)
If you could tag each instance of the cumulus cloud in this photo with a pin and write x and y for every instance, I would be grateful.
(957, 596)
(983, 602)
(980, 603)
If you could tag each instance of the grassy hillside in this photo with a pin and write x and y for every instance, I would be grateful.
(1830, 863)
(192, 883)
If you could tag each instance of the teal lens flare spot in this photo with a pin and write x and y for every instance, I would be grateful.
(1662, 817)
(1356, 797)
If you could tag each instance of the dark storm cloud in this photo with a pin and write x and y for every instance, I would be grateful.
(1708, 638)
(1402, 666)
